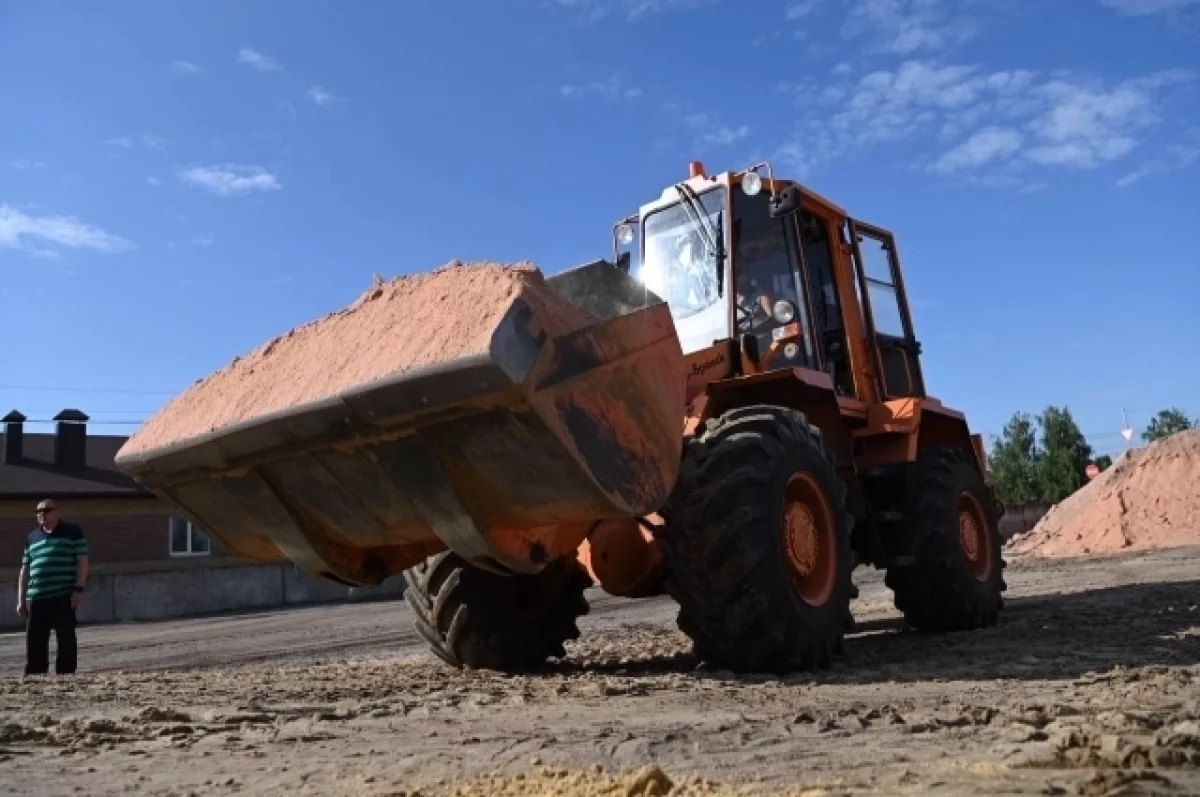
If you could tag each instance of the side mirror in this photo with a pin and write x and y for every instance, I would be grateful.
(785, 203)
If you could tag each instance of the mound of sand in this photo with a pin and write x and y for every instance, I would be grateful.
(1149, 498)
(412, 321)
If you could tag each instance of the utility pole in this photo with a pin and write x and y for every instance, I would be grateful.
(1126, 431)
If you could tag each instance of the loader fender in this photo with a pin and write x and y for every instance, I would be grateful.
(897, 430)
(810, 392)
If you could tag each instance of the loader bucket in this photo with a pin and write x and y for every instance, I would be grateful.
(507, 456)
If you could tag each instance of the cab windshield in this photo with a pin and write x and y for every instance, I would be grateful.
(682, 262)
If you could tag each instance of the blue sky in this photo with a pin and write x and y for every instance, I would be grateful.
(181, 181)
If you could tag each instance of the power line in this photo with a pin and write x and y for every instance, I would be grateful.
(91, 390)
(142, 412)
(93, 423)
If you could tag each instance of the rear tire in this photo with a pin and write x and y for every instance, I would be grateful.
(757, 544)
(475, 619)
(957, 581)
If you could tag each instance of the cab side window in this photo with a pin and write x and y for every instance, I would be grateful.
(831, 334)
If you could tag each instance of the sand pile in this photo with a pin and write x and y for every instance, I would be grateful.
(1147, 499)
(412, 321)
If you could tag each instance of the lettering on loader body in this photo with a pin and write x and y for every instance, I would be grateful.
(701, 368)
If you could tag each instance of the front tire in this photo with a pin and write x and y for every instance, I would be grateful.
(757, 544)
(956, 583)
(475, 619)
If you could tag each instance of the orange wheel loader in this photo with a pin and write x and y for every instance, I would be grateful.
(744, 423)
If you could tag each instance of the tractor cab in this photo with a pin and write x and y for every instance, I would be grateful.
(737, 256)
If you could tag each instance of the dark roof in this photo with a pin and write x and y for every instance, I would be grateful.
(36, 477)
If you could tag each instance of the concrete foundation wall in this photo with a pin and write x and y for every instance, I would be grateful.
(163, 594)
(1019, 519)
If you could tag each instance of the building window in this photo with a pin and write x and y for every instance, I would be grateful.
(187, 540)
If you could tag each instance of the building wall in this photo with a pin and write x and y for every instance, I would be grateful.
(134, 577)
(199, 591)
(111, 540)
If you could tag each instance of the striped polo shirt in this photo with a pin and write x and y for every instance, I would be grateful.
(50, 558)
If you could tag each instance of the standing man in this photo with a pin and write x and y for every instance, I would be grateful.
(53, 574)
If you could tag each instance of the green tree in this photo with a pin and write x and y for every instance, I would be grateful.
(1042, 458)
(1064, 457)
(1103, 462)
(1167, 423)
(1014, 462)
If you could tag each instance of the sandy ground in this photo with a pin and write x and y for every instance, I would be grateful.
(1090, 685)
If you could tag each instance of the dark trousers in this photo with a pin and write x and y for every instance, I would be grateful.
(45, 614)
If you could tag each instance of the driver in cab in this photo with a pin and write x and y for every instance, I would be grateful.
(754, 301)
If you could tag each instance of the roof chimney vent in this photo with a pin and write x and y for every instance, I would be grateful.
(70, 440)
(14, 438)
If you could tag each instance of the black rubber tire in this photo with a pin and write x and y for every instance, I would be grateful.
(475, 619)
(724, 544)
(939, 592)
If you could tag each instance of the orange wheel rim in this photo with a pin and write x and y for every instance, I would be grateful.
(809, 540)
(973, 537)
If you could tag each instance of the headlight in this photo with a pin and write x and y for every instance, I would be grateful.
(784, 312)
(751, 184)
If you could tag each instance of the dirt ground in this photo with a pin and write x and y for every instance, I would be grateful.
(1090, 685)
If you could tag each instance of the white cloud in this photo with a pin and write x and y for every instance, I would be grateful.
(992, 123)
(1148, 7)
(640, 8)
(263, 63)
(724, 135)
(1086, 124)
(20, 231)
(322, 97)
(985, 146)
(128, 142)
(1172, 158)
(612, 89)
(152, 180)
(229, 180)
(24, 164)
(185, 68)
(711, 132)
(908, 26)
(201, 241)
(591, 11)
(799, 9)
